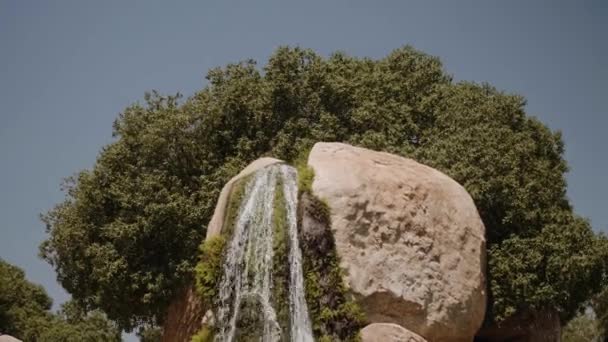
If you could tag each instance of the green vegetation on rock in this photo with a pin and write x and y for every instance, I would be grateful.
(334, 313)
(204, 335)
(208, 271)
(125, 239)
(280, 262)
(306, 174)
(233, 205)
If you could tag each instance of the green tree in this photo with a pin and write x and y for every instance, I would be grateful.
(24, 313)
(150, 334)
(24, 307)
(599, 304)
(125, 239)
(582, 328)
(93, 327)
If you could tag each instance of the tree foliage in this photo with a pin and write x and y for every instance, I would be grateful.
(125, 239)
(91, 327)
(582, 328)
(150, 334)
(599, 304)
(25, 314)
(23, 306)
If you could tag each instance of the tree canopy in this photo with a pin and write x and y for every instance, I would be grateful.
(125, 238)
(25, 314)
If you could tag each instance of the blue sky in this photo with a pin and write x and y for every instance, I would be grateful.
(67, 68)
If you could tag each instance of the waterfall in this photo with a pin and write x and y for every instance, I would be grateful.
(301, 330)
(245, 291)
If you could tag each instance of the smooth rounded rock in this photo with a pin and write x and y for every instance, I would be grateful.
(409, 237)
(388, 332)
(8, 338)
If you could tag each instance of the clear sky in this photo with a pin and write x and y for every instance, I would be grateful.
(67, 68)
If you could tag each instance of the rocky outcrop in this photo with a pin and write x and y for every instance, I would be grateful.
(527, 326)
(186, 314)
(388, 332)
(410, 240)
(8, 338)
(217, 220)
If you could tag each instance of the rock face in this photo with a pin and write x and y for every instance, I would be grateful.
(388, 332)
(527, 326)
(409, 237)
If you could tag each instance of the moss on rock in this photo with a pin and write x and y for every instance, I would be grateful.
(334, 313)
(206, 334)
(234, 203)
(280, 293)
(208, 271)
(306, 174)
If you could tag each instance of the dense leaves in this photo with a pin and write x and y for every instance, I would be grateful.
(126, 237)
(24, 313)
(582, 328)
(23, 305)
(92, 327)
(560, 267)
(599, 304)
(150, 334)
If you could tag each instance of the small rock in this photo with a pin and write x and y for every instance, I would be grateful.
(388, 332)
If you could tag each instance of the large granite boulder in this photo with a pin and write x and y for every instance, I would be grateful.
(388, 332)
(410, 240)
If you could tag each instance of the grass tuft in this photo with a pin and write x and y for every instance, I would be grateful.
(203, 335)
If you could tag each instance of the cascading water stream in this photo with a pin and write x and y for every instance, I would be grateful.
(301, 330)
(248, 262)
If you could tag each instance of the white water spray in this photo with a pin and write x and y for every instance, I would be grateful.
(301, 330)
(248, 261)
